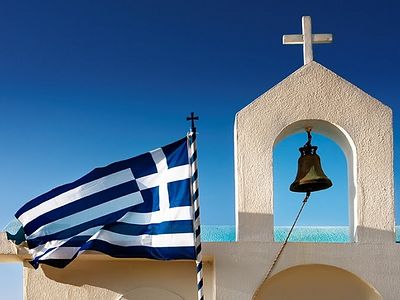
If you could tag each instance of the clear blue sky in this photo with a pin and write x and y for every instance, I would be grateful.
(86, 83)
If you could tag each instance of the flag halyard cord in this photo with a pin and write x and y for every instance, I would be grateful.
(283, 245)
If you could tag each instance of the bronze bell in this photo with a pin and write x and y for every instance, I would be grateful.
(310, 177)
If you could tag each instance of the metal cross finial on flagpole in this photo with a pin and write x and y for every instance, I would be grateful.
(307, 39)
(192, 118)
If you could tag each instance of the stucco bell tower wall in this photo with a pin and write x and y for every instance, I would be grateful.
(361, 125)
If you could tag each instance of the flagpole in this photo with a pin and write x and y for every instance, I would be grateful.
(196, 205)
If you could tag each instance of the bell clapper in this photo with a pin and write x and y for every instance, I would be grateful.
(308, 194)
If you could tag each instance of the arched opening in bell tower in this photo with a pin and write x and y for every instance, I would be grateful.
(329, 214)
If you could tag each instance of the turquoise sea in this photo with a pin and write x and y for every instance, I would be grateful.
(325, 234)
(227, 233)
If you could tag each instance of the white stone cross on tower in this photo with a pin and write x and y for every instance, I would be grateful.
(307, 39)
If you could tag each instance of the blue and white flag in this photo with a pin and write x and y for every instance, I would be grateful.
(139, 207)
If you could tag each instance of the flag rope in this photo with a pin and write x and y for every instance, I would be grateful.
(196, 210)
(283, 246)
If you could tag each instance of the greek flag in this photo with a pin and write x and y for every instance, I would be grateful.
(139, 207)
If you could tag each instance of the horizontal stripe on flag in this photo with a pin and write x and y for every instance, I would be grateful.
(154, 241)
(68, 233)
(62, 253)
(81, 238)
(160, 240)
(76, 194)
(169, 227)
(92, 201)
(87, 214)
